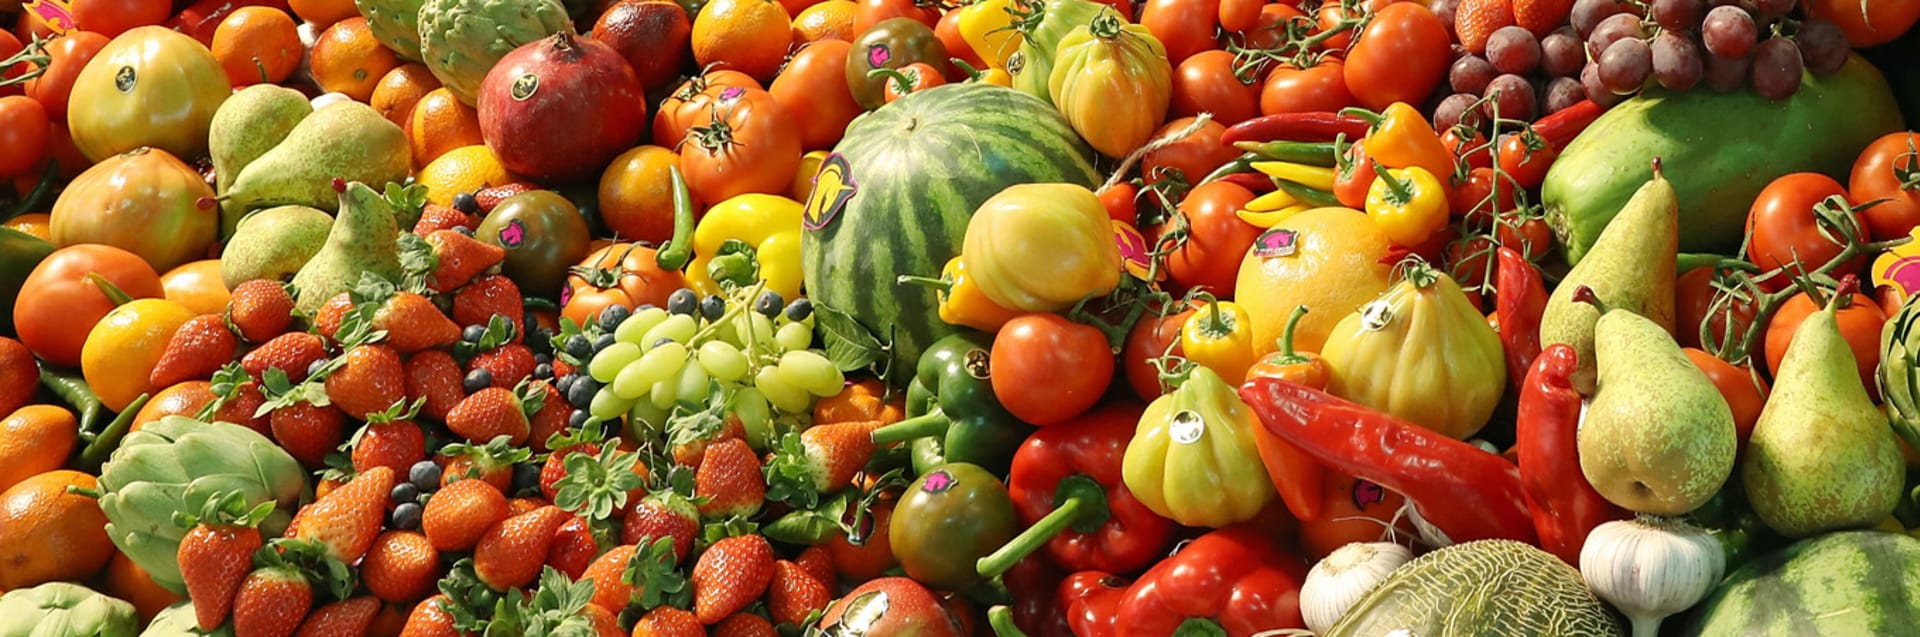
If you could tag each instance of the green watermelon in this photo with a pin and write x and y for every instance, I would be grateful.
(1852, 583)
(895, 196)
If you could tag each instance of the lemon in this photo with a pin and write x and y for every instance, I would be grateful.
(463, 169)
(1331, 264)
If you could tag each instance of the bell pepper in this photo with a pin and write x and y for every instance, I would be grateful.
(746, 239)
(987, 28)
(952, 415)
(1520, 298)
(1408, 204)
(961, 301)
(1232, 582)
(1300, 480)
(1193, 459)
(1403, 138)
(1066, 483)
(1462, 491)
(1220, 337)
(1354, 177)
(1091, 601)
(1042, 247)
(20, 253)
(1034, 584)
(1564, 505)
(1299, 127)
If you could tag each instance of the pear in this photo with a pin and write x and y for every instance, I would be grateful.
(247, 125)
(1658, 437)
(1822, 456)
(273, 244)
(344, 140)
(1630, 267)
(363, 240)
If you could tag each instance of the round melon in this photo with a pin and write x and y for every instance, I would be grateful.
(1851, 583)
(895, 196)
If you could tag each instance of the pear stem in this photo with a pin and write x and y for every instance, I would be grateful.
(1584, 294)
(1843, 293)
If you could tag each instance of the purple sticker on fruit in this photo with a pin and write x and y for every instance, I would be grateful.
(878, 55)
(1277, 242)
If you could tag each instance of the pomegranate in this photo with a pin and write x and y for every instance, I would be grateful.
(651, 34)
(559, 109)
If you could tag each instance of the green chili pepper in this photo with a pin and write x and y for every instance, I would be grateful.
(20, 253)
(1310, 153)
(101, 447)
(1308, 195)
(952, 413)
(674, 255)
(1241, 164)
(75, 391)
(40, 191)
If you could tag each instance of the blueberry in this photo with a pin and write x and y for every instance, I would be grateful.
(611, 317)
(602, 341)
(463, 230)
(406, 517)
(580, 395)
(526, 476)
(473, 333)
(799, 310)
(477, 380)
(681, 301)
(580, 347)
(405, 492)
(713, 307)
(769, 304)
(578, 418)
(425, 475)
(543, 371)
(542, 357)
(313, 368)
(464, 202)
(563, 383)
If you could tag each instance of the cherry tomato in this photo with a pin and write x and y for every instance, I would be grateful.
(1400, 57)
(24, 130)
(1330, 15)
(1321, 88)
(1859, 322)
(1047, 369)
(1474, 196)
(1527, 234)
(1870, 23)
(60, 302)
(1216, 238)
(812, 88)
(1783, 227)
(1878, 174)
(66, 54)
(685, 107)
(1206, 83)
(1149, 339)
(1469, 148)
(753, 147)
(1185, 27)
(868, 554)
(1745, 392)
(1190, 159)
(1470, 263)
(872, 12)
(1240, 15)
(1527, 165)
(1694, 296)
(1122, 202)
(1269, 29)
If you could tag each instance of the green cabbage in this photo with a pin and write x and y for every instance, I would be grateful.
(176, 464)
(60, 609)
(178, 621)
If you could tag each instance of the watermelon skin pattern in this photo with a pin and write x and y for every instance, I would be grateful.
(1855, 583)
(917, 170)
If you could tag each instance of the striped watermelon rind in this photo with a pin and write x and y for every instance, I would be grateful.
(917, 169)
(1856, 583)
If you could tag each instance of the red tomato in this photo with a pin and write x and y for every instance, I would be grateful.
(868, 554)
(1527, 235)
(1783, 228)
(1185, 27)
(1206, 83)
(872, 12)
(948, 30)
(1269, 29)
(1468, 148)
(60, 302)
(1152, 337)
(1121, 202)
(1745, 392)
(1870, 22)
(1474, 196)
(623, 274)
(10, 45)
(1329, 15)
(1240, 15)
(1878, 174)
(1527, 165)
(751, 146)
(114, 17)
(1192, 158)
(1047, 369)
(1322, 88)
(1216, 238)
(812, 88)
(1470, 263)
(1859, 323)
(686, 106)
(1693, 306)
(1400, 57)
(24, 130)
(1124, 7)
(67, 55)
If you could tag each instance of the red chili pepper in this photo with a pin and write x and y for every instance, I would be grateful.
(1259, 183)
(1354, 176)
(1520, 299)
(1092, 600)
(1234, 579)
(1465, 492)
(201, 18)
(1066, 484)
(1565, 124)
(1037, 610)
(1564, 504)
(1296, 127)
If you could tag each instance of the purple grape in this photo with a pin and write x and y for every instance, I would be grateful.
(1561, 54)
(1726, 75)
(1677, 15)
(1729, 32)
(1676, 61)
(1776, 68)
(1822, 44)
(1625, 66)
(1561, 93)
(1588, 13)
(1514, 97)
(1596, 91)
(1471, 74)
(1624, 26)
(1445, 10)
(1513, 49)
(1774, 8)
(1455, 109)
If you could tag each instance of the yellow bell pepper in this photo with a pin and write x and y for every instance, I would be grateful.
(1422, 352)
(1220, 337)
(1408, 204)
(1042, 247)
(961, 302)
(987, 27)
(746, 239)
(1193, 458)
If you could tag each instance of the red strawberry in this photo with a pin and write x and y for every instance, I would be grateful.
(690, 437)
(730, 575)
(430, 618)
(238, 398)
(573, 547)
(199, 348)
(551, 419)
(328, 319)
(513, 551)
(260, 310)
(744, 625)
(291, 353)
(490, 197)
(435, 376)
(345, 618)
(509, 364)
(816, 561)
(729, 477)
(794, 594)
(271, 603)
(435, 218)
(555, 468)
(607, 572)
(1541, 16)
(663, 514)
(412, 323)
(489, 296)
(667, 621)
(346, 520)
(460, 258)
(396, 445)
(307, 431)
(1476, 20)
(460, 513)
(216, 555)
(488, 413)
(605, 623)
(825, 458)
(371, 380)
(401, 567)
(491, 462)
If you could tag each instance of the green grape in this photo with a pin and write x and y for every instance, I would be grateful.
(679, 328)
(808, 370)
(793, 336)
(693, 384)
(784, 397)
(608, 405)
(724, 361)
(655, 366)
(750, 406)
(645, 421)
(608, 363)
(663, 392)
(761, 328)
(634, 329)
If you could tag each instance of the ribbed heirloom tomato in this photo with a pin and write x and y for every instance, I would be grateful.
(623, 274)
(740, 146)
(686, 106)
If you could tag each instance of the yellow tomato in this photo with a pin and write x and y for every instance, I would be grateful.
(197, 286)
(36, 224)
(123, 348)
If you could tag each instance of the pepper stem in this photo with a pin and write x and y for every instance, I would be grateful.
(1080, 504)
(1287, 352)
(1216, 324)
(1371, 118)
(113, 292)
(1199, 627)
(1001, 619)
(933, 423)
(1399, 191)
(942, 285)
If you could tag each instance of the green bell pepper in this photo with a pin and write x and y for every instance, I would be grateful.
(947, 520)
(20, 253)
(952, 415)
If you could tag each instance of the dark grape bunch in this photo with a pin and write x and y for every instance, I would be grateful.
(1523, 76)
(1681, 44)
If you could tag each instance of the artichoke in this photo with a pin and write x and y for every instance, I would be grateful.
(1899, 384)
(60, 609)
(395, 23)
(178, 620)
(460, 40)
(176, 464)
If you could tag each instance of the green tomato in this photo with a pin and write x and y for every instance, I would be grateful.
(891, 43)
(947, 520)
(543, 233)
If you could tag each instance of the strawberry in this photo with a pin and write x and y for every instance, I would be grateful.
(291, 353)
(271, 602)
(518, 506)
(794, 594)
(492, 412)
(729, 477)
(199, 348)
(307, 431)
(434, 376)
(492, 196)
(731, 574)
(492, 462)
(608, 574)
(1476, 20)
(394, 444)
(347, 519)
(489, 296)
(237, 399)
(512, 552)
(345, 618)
(371, 380)
(260, 310)
(667, 621)
(412, 323)
(216, 555)
(1541, 16)
(816, 561)
(823, 459)
(435, 218)
(744, 625)
(573, 547)
(510, 364)
(605, 623)
(430, 618)
(328, 319)
(690, 437)
(457, 515)
(401, 566)
(552, 418)
(663, 514)
(459, 258)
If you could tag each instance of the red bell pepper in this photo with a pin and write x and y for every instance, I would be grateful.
(1233, 580)
(1036, 609)
(1461, 490)
(1564, 505)
(1066, 484)
(1296, 127)
(1091, 601)
(1520, 299)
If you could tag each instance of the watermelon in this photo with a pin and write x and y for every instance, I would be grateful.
(1851, 583)
(895, 196)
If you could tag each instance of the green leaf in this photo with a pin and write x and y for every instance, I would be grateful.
(655, 577)
(810, 526)
(790, 475)
(417, 262)
(849, 345)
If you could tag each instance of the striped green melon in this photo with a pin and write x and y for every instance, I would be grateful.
(1856, 583)
(1489, 588)
(895, 197)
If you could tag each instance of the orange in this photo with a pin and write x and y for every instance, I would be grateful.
(750, 36)
(348, 59)
(323, 13)
(1336, 264)
(47, 534)
(465, 169)
(796, 7)
(830, 20)
(257, 45)
(124, 346)
(126, 580)
(183, 399)
(197, 286)
(34, 440)
(440, 123)
(19, 375)
(38, 224)
(400, 89)
(636, 194)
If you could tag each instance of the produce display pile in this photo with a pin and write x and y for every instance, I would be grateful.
(953, 318)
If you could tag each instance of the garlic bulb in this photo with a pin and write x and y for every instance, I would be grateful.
(1651, 567)
(1345, 576)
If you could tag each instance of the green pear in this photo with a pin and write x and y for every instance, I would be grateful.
(1630, 267)
(1658, 437)
(1822, 457)
(364, 239)
(248, 125)
(272, 244)
(343, 140)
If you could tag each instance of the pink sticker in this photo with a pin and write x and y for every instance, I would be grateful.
(1135, 258)
(513, 235)
(1277, 242)
(878, 55)
(937, 482)
(1366, 494)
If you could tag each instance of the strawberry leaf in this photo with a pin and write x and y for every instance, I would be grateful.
(417, 262)
(371, 289)
(595, 487)
(811, 526)
(655, 576)
(791, 475)
(356, 327)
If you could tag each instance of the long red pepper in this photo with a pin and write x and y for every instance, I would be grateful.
(1296, 127)
(1520, 298)
(1462, 490)
(1565, 124)
(1354, 176)
(1564, 505)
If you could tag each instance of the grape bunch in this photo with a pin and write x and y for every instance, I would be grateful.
(1527, 77)
(1681, 44)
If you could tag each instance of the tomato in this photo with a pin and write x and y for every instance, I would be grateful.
(1122, 202)
(1527, 234)
(1868, 23)
(1216, 238)
(66, 55)
(812, 88)
(1269, 29)
(9, 46)
(623, 274)
(1152, 337)
(868, 554)
(1859, 322)
(685, 107)
(1356, 511)
(872, 12)
(1047, 369)
(1527, 165)
(1123, 7)
(1320, 88)
(909, 79)
(750, 146)
(544, 235)
(1206, 83)
(948, 30)
(1240, 15)
(1469, 148)
(1469, 262)
(1877, 175)
(114, 17)
(1746, 394)
(1185, 27)
(1473, 196)
(1190, 159)
(890, 44)
(24, 130)
(1693, 306)
(60, 303)
(1400, 57)
(1783, 229)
